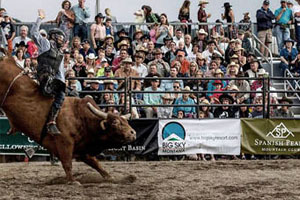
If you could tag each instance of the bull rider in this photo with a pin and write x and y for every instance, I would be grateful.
(50, 70)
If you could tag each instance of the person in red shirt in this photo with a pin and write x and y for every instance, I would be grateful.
(180, 56)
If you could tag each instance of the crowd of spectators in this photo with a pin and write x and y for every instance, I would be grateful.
(164, 50)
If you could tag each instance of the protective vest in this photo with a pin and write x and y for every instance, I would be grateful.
(49, 61)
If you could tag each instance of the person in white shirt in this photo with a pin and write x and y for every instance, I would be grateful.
(178, 36)
(207, 54)
(22, 37)
(139, 66)
(188, 44)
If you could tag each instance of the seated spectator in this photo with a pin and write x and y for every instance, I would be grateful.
(233, 94)
(86, 48)
(152, 98)
(110, 85)
(288, 56)
(165, 112)
(284, 111)
(200, 40)
(109, 55)
(243, 112)
(167, 85)
(246, 43)
(163, 68)
(239, 51)
(225, 111)
(242, 85)
(127, 71)
(219, 60)
(74, 83)
(180, 114)
(258, 110)
(253, 71)
(106, 97)
(152, 72)
(232, 70)
(210, 50)
(180, 57)
(213, 67)
(94, 86)
(218, 87)
(178, 36)
(153, 31)
(167, 44)
(90, 74)
(119, 59)
(171, 54)
(230, 50)
(68, 62)
(188, 46)
(139, 65)
(210, 87)
(250, 57)
(201, 61)
(125, 109)
(111, 109)
(90, 61)
(80, 67)
(137, 39)
(257, 83)
(295, 70)
(76, 43)
(189, 112)
(234, 58)
(192, 56)
(205, 109)
(191, 73)
(109, 29)
(198, 85)
(23, 36)
(176, 88)
(19, 58)
(103, 68)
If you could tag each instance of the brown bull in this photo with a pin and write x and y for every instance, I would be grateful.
(86, 131)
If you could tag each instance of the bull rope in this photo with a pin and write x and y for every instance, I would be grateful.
(11, 84)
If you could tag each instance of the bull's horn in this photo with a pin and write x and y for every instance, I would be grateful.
(102, 124)
(127, 116)
(96, 111)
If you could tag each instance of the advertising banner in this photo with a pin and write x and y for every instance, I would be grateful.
(270, 136)
(16, 144)
(219, 136)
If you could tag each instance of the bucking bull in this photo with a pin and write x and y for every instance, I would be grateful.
(86, 131)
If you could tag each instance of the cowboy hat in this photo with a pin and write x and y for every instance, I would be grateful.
(186, 88)
(167, 97)
(226, 96)
(202, 2)
(109, 37)
(233, 88)
(91, 71)
(122, 43)
(219, 71)
(205, 102)
(227, 5)
(285, 99)
(127, 60)
(108, 81)
(202, 31)
(91, 56)
(232, 64)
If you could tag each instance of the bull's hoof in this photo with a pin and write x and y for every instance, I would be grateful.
(109, 178)
(74, 183)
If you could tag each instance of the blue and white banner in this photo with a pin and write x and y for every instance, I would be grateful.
(218, 136)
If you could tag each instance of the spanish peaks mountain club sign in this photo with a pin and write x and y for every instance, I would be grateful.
(266, 136)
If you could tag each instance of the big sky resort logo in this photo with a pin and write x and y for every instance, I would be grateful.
(173, 135)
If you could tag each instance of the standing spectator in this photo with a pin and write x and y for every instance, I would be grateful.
(163, 30)
(264, 17)
(9, 31)
(82, 14)
(229, 17)
(202, 16)
(288, 56)
(245, 20)
(23, 36)
(283, 16)
(109, 29)
(149, 15)
(139, 18)
(65, 18)
(152, 98)
(296, 14)
(98, 32)
(184, 15)
(189, 112)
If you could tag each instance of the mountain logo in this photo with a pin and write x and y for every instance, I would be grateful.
(173, 131)
(280, 132)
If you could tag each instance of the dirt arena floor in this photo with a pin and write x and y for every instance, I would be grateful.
(164, 180)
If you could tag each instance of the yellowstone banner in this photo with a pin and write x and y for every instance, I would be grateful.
(267, 136)
(218, 136)
(16, 144)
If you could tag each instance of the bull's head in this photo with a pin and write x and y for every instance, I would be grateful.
(115, 127)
